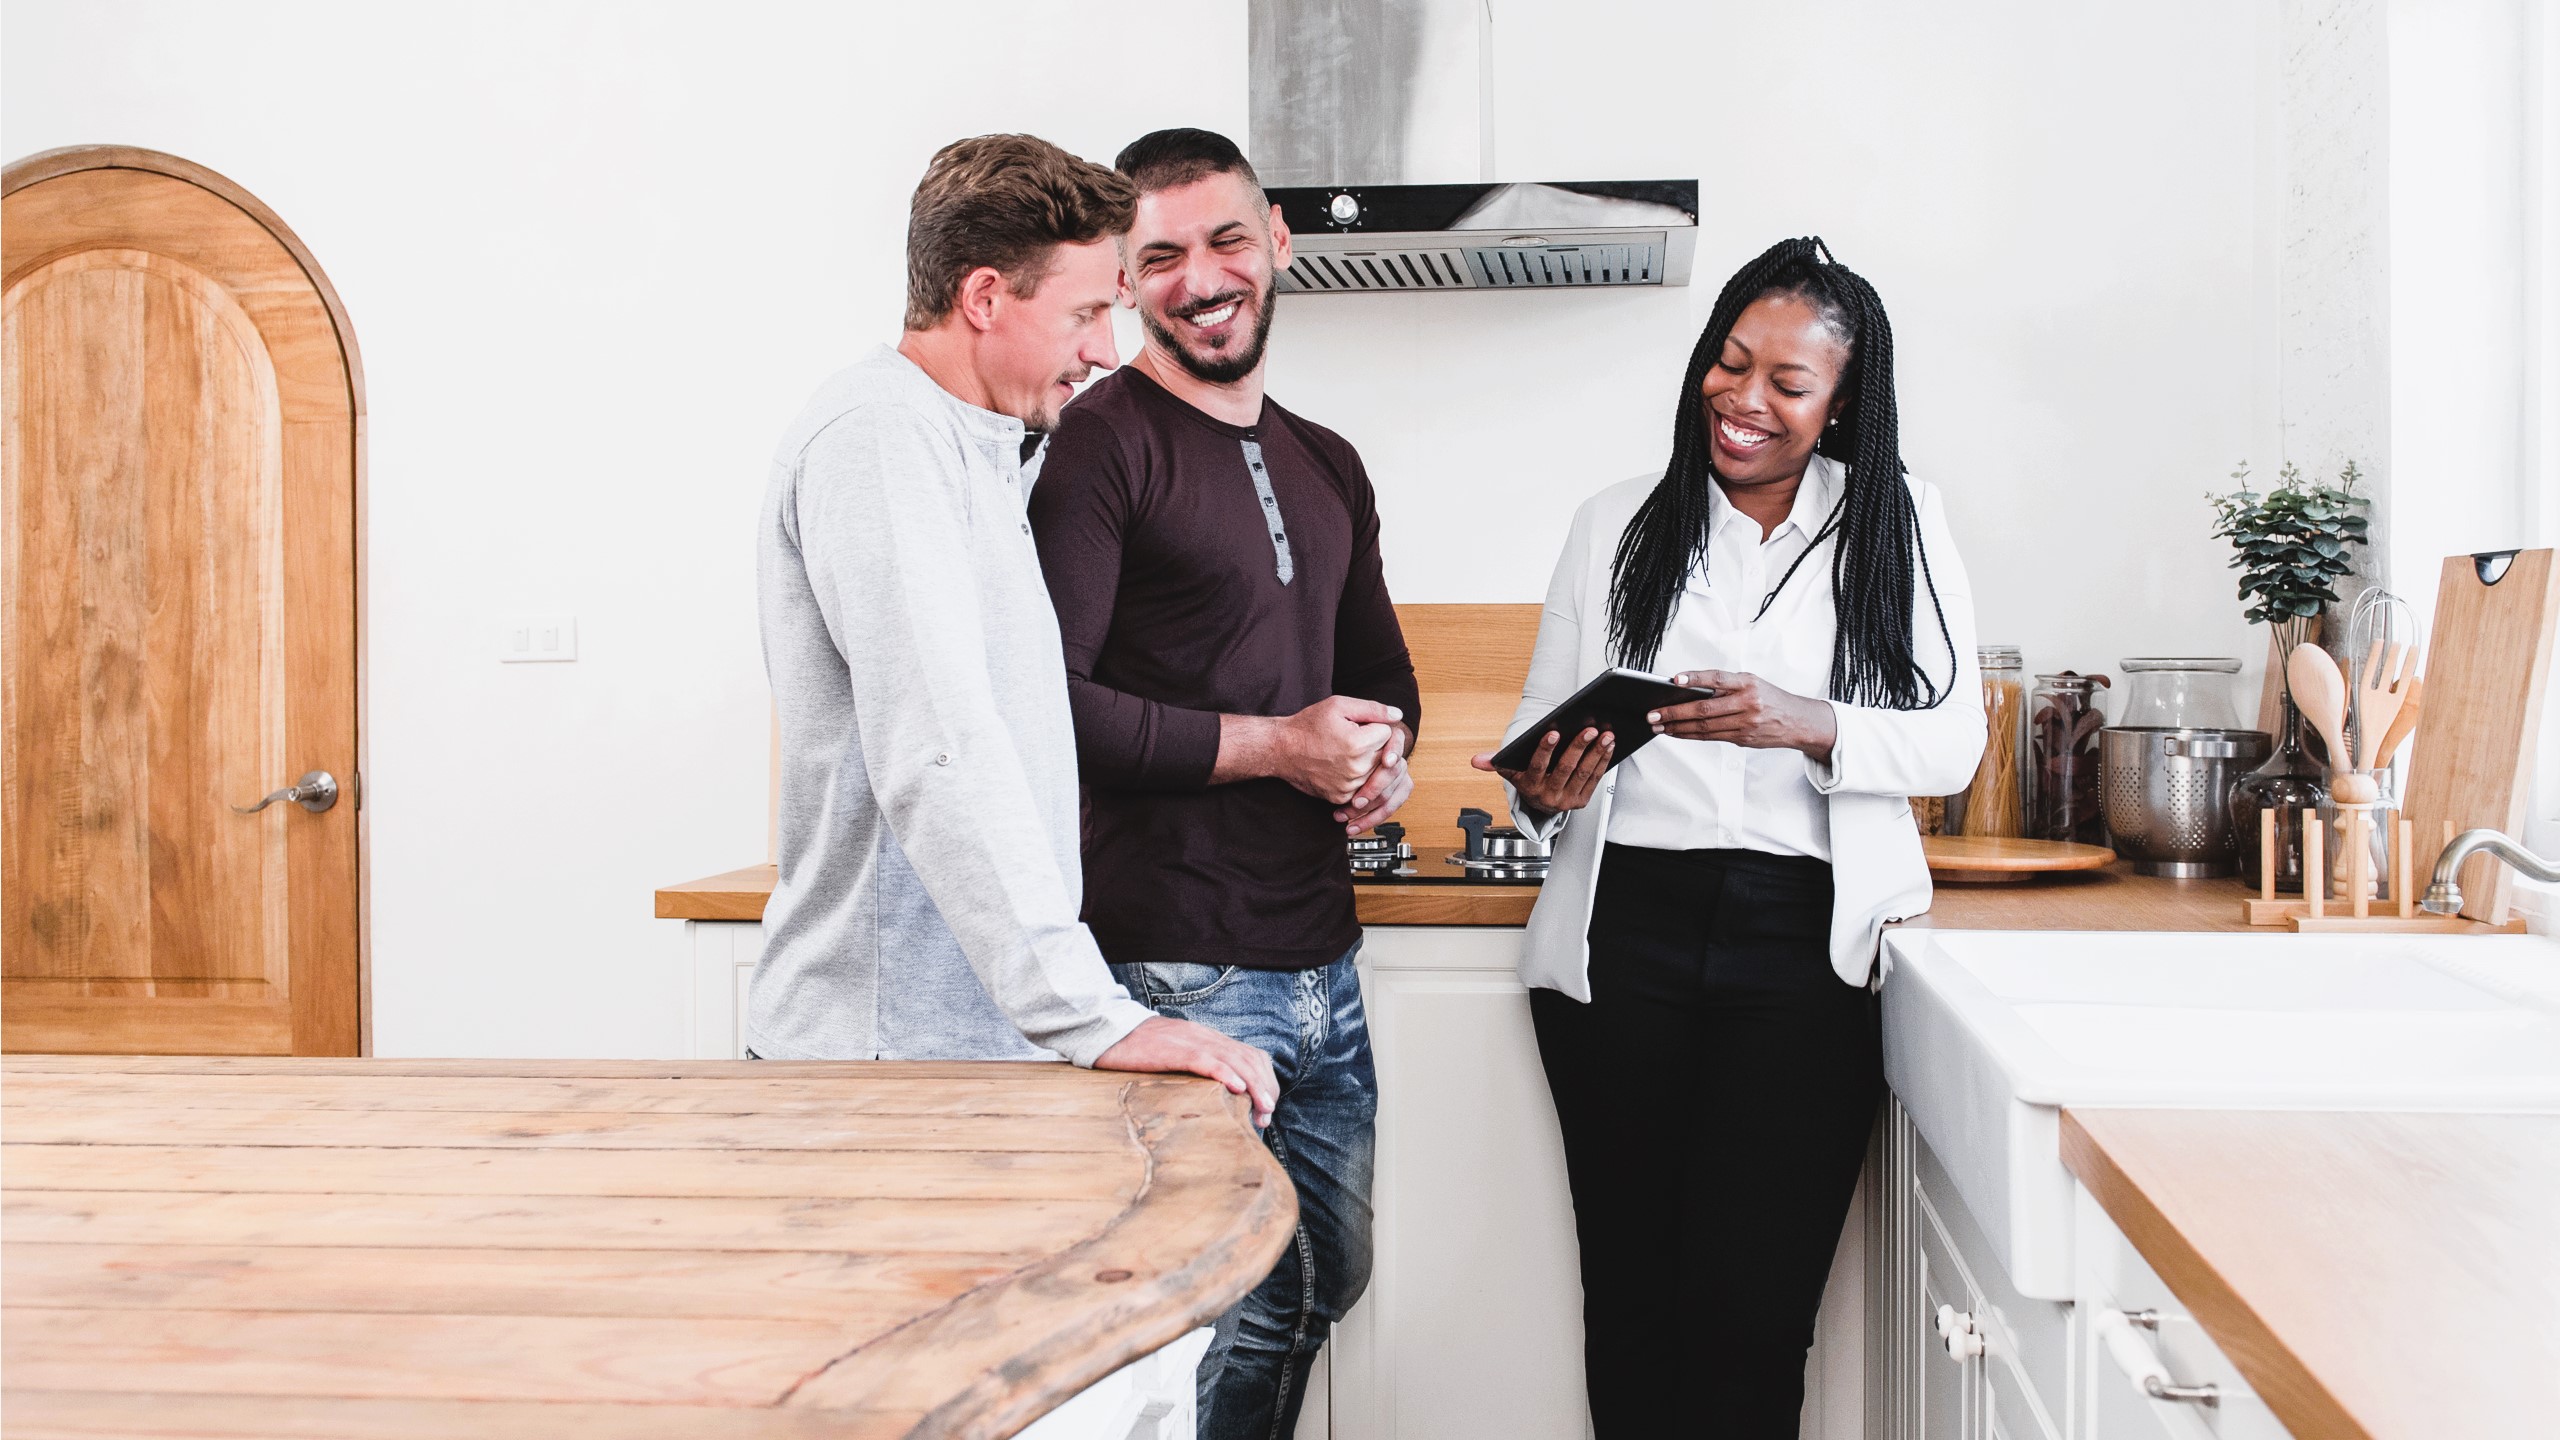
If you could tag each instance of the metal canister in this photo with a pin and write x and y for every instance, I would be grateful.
(2167, 794)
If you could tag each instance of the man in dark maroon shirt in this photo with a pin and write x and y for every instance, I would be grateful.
(1243, 702)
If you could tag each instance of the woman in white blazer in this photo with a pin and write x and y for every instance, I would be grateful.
(1699, 958)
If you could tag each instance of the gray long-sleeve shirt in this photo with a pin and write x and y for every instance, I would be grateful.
(930, 884)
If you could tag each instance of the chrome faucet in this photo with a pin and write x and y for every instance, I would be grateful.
(2444, 897)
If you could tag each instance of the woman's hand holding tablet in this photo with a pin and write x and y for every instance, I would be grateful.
(1557, 763)
(1560, 774)
(1746, 710)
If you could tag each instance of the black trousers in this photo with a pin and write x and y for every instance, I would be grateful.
(1716, 1096)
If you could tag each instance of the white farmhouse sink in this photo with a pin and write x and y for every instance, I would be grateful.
(1989, 1034)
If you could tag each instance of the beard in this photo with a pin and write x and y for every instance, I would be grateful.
(1044, 416)
(1217, 367)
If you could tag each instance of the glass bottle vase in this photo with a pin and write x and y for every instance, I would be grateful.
(2289, 783)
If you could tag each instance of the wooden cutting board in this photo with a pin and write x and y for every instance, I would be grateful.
(1993, 859)
(2488, 664)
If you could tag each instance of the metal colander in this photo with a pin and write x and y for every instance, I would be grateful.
(2168, 795)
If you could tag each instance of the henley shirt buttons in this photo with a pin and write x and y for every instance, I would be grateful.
(942, 759)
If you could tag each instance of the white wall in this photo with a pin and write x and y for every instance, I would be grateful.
(2058, 205)
(597, 254)
(2458, 338)
(2475, 332)
(2335, 236)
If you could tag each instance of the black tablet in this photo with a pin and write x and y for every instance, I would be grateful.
(1615, 703)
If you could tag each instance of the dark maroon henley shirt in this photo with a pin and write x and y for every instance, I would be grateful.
(1201, 568)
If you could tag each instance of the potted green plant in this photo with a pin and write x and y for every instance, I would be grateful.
(2289, 544)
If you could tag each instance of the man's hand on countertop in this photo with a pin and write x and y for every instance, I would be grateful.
(1167, 1046)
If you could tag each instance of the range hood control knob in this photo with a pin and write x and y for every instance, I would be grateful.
(1343, 208)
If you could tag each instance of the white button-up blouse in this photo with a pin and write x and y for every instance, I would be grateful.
(1678, 794)
(1879, 758)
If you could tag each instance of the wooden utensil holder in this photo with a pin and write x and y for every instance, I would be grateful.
(2319, 912)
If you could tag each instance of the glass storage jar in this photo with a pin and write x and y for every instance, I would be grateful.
(2063, 730)
(2179, 692)
(1996, 802)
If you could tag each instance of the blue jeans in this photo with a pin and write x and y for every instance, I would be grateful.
(1324, 1133)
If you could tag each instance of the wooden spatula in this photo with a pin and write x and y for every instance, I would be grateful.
(2402, 726)
(2380, 695)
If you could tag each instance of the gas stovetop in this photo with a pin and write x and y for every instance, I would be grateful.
(1494, 855)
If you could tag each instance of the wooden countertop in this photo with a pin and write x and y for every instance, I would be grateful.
(2376, 1276)
(416, 1249)
(741, 895)
(2113, 898)
(729, 895)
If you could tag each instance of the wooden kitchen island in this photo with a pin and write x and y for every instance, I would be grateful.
(413, 1249)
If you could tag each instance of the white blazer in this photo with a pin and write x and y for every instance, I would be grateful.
(1881, 759)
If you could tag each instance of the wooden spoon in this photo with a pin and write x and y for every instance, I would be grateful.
(2320, 693)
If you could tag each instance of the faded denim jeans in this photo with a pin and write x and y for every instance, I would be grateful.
(1324, 1133)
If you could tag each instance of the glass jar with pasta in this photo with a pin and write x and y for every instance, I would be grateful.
(1996, 802)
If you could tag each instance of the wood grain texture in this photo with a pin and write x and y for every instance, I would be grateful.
(741, 895)
(601, 1248)
(2112, 898)
(1471, 662)
(1960, 857)
(2109, 898)
(2488, 666)
(2375, 1276)
(184, 424)
(730, 895)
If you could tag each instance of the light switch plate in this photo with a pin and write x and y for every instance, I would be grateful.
(528, 639)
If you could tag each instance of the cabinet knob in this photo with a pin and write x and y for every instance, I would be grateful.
(1963, 1340)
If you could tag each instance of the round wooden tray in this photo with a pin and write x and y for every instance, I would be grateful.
(1999, 860)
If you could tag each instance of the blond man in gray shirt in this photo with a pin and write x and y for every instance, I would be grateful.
(929, 890)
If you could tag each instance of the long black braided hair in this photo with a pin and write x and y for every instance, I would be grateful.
(1879, 552)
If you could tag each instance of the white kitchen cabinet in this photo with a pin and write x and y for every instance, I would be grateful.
(720, 958)
(2021, 1368)
(1963, 1355)
(1152, 1398)
(1472, 1325)
(2112, 1275)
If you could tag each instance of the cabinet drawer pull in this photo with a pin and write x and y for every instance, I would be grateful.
(2142, 1365)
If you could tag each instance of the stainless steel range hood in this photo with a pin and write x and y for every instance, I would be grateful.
(1368, 118)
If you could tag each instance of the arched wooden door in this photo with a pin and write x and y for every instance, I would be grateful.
(184, 440)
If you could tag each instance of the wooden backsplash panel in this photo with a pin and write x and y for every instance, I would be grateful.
(1471, 661)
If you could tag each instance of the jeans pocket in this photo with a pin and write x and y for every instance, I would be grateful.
(1169, 983)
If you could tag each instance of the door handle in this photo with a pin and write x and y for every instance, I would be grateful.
(316, 791)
